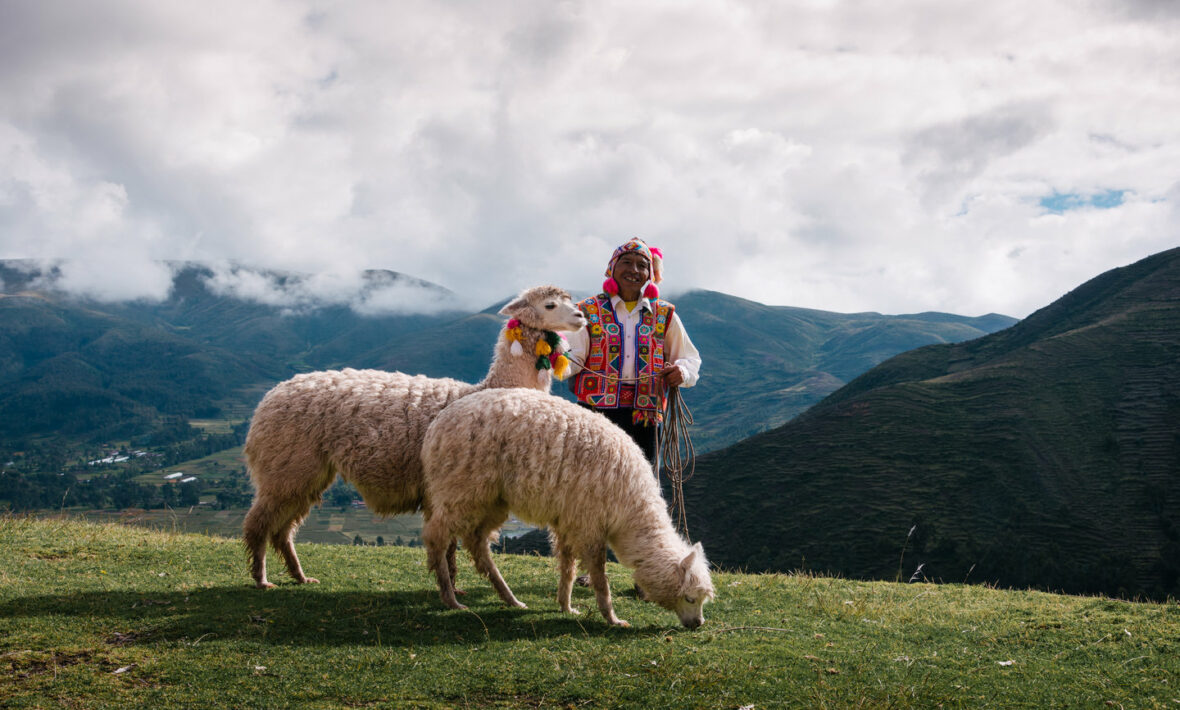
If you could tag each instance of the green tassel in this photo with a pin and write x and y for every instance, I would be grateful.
(543, 362)
(552, 338)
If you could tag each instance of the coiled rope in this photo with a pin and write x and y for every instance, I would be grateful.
(675, 451)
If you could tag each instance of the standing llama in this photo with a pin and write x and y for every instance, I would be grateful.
(553, 463)
(367, 426)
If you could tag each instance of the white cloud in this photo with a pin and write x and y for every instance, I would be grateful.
(372, 293)
(115, 276)
(827, 154)
(949, 156)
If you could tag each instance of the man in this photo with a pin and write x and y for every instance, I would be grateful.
(633, 348)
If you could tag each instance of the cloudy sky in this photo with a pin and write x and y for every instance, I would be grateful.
(968, 157)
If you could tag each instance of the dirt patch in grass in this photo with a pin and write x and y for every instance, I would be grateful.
(27, 664)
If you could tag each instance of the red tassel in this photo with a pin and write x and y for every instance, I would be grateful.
(651, 291)
(610, 287)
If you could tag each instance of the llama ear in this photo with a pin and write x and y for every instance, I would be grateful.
(686, 563)
(514, 307)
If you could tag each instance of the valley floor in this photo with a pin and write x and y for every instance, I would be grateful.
(327, 525)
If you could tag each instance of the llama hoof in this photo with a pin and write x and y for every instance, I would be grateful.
(264, 585)
(520, 605)
(621, 624)
(309, 580)
(461, 592)
(457, 606)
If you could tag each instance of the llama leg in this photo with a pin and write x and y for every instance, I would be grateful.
(255, 533)
(595, 560)
(275, 522)
(285, 494)
(436, 538)
(451, 548)
(451, 563)
(478, 543)
(284, 542)
(566, 571)
(285, 522)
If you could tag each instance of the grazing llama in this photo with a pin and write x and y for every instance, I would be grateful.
(552, 463)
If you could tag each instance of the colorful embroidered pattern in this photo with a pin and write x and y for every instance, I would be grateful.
(605, 357)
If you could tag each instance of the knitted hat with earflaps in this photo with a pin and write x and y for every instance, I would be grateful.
(654, 257)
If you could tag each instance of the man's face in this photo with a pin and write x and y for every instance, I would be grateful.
(631, 272)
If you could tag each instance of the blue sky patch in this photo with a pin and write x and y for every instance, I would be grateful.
(1059, 202)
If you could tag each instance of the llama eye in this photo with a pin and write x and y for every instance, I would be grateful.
(550, 306)
(690, 600)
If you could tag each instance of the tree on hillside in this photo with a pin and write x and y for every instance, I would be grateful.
(168, 494)
(190, 493)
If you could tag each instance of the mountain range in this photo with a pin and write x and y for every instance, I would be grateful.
(82, 370)
(1046, 454)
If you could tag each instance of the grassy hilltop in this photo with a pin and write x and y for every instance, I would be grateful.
(102, 615)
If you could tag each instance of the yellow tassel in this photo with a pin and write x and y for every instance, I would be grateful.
(543, 348)
(560, 367)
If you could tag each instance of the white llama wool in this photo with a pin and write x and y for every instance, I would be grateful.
(553, 463)
(367, 426)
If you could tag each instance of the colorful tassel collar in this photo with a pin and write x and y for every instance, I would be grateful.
(550, 349)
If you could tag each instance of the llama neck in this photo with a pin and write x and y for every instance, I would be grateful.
(655, 562)
(508, 370)
(646, 536)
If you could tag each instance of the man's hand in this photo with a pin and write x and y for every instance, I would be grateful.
(671, 376)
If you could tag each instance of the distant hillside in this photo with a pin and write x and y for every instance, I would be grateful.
(98, 372)
(764, 365)
(1047, 454)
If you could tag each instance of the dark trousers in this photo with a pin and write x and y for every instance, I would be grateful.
(640, 433)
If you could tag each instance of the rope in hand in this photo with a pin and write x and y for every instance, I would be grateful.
(676, 449)
(678, 452)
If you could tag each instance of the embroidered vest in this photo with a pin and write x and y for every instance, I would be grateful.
(605, 357)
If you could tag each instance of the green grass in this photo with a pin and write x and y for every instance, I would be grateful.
(104, 615)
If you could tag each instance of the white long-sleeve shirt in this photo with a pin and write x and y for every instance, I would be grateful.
(678, 349)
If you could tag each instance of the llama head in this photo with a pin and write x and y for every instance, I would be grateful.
(545, 308)
(684, 590)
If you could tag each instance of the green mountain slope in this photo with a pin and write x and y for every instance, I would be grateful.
(97, 371)
(764, 365)
(74, 370)
(101, 371)
(1047, 454)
